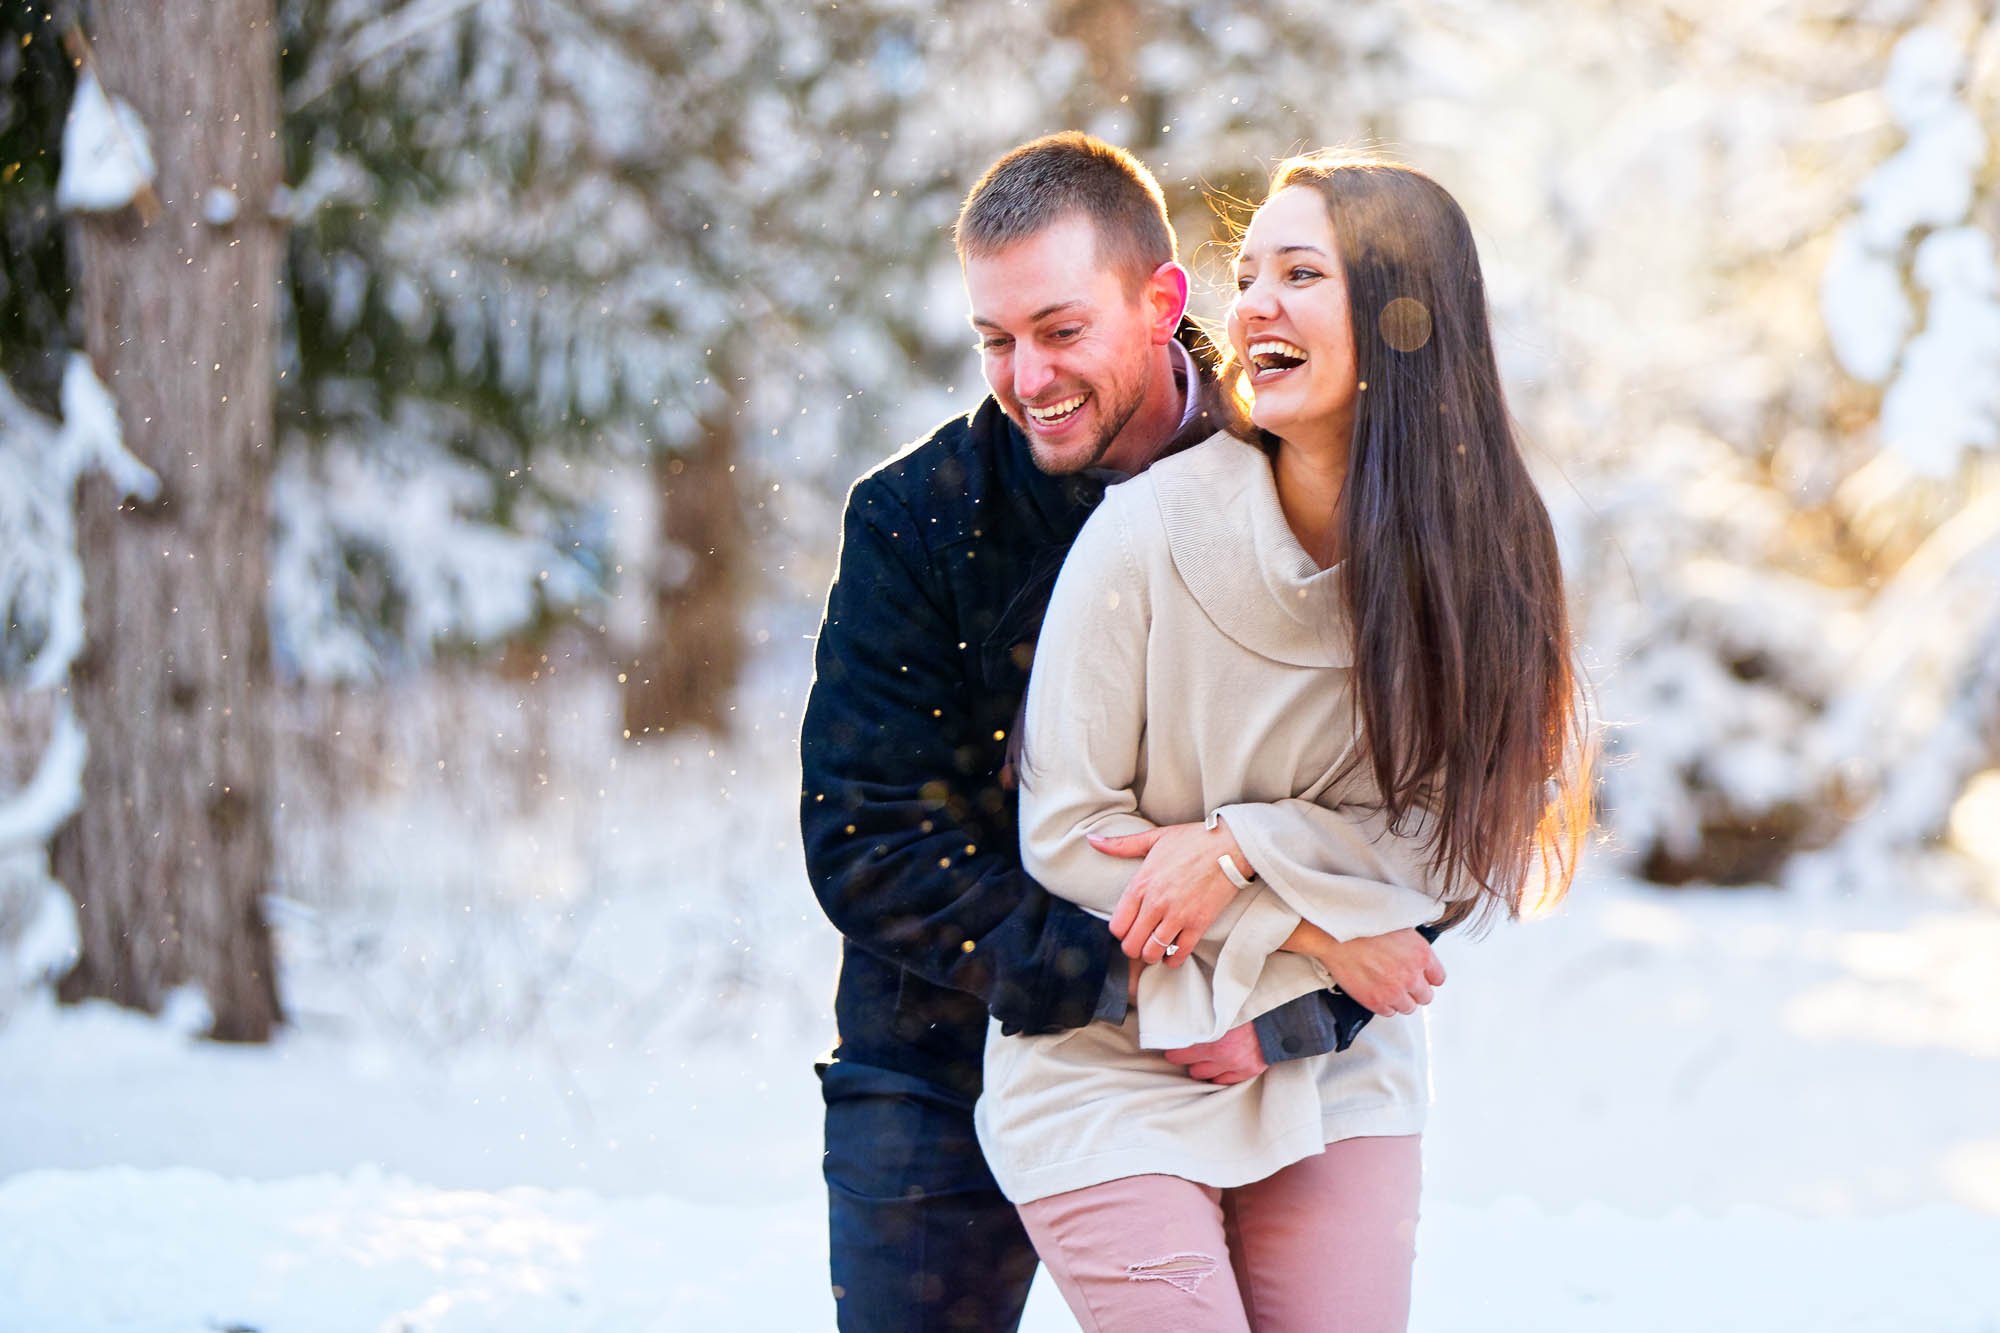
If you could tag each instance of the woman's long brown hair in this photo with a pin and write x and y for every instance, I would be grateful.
(1468, 696)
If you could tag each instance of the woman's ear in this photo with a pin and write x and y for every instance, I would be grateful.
(1167, 292)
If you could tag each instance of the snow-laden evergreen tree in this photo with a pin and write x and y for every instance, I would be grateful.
(528, 235)
(712, 239)
(1675, 208)
(35, 83)
(1911, 296)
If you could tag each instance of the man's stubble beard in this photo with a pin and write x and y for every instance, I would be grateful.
(1101, 445)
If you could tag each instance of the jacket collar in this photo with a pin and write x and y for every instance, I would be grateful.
(1060, 503)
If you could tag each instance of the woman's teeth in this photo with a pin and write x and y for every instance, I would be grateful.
(1276, 354)
(1054, 412)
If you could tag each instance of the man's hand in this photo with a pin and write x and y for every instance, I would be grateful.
(1234, 1057)
(1179, 891)
(1387, 974)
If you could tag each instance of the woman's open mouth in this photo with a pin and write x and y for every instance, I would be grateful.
(1272, 357)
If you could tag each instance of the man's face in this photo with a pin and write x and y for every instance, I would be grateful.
(1067, 343)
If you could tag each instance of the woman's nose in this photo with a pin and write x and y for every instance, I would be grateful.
(1258, 300)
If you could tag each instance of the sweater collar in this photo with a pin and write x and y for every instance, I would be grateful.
(1240, 561)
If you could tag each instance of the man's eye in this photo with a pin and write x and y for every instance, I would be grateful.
(1063, 335)
(993, 344)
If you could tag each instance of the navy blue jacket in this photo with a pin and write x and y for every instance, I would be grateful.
(948, 554)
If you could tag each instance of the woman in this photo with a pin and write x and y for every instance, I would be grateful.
(1345, 644)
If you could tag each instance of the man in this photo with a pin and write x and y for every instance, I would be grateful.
(948, 554)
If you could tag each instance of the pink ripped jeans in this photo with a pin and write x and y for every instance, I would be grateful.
(1325, 1244)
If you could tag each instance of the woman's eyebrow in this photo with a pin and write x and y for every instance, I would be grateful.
(1241, 256)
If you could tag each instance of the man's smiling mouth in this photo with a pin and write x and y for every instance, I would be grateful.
(1056, 413)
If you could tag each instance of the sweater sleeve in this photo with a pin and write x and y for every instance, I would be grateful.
(1085, 717)
(1339, 867)
(1082, 735)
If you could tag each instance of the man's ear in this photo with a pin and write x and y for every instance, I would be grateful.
(1167, 301)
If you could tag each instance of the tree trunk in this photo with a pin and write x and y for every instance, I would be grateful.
(1109, 32)
(687, 670)
(171, 849)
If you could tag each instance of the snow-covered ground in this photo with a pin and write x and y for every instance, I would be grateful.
(1714, 1110)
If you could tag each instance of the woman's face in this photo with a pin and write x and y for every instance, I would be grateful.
(1289, 322)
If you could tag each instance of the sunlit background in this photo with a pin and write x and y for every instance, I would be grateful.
(436, 414)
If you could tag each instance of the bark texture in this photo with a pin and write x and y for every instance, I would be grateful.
(1110, 34)
(687, 670)
(171, 850)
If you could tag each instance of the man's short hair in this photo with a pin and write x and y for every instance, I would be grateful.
(1060, 175)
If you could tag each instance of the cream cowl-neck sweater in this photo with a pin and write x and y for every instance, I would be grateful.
(1195, 659)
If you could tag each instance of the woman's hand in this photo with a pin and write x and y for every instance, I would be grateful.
(1387, 974)
(1179, 891)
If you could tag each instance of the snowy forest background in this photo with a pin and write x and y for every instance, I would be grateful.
(442, 758)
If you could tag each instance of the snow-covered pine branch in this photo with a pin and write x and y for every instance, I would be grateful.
(41, 636)
(1909, 230)
(41, 577)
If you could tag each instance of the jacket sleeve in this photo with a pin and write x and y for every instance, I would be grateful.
(911, 850)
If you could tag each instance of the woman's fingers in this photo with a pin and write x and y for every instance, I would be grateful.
(1140, 924)
(1121, 916)
(1391, 998)
(1170, 931)
(1142, 938)
(1127, 923)
(1371, 996)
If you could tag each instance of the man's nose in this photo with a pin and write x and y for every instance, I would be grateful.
(1033, 372)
